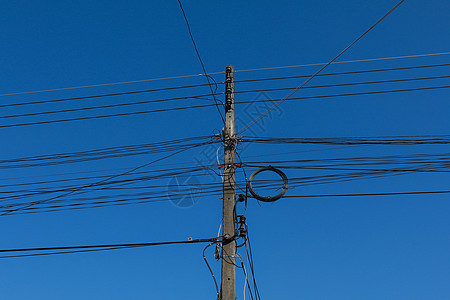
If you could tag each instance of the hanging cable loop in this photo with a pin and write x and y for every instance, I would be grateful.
(268, 198)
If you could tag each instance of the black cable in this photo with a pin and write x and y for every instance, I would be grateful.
(111, 185)
(344, 84)
(369, 194)
(201, 97)
(250, 292)
(62, 252)
(348, 94)
(246, 181)
(217, 192)
(344, 73)
(159, 199)
(89, 248)
(96, 183)
(102, 153)
(107, 116)
(425, 162)
(248, 250)
(432, 163)
(210, 270)
(393, 140)
(201, 61)
(100, 107)
(107, 95)
(250, 80)
(209, 105)
(186, 170)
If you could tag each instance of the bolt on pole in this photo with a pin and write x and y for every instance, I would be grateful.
(228, 287)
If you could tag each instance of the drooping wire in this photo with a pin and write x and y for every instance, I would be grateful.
(95, 183)
(102, 153)
(110, 95)
(369, 194)
(346, 62)
(320, 70)
(344, 73)
(350, 94)
(246, 182)
(201, 61)
(249, 253)
(217, 73)
(210, 105)
(210, 270)
(89, 248)
(90, 108)
(107, 116)
(376, 140)
(347, 84)
(246, 282)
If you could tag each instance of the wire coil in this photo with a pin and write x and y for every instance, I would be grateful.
(268, 198)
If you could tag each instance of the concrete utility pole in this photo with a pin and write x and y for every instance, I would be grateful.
(228, 288)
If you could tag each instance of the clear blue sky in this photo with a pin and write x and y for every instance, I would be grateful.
(391, 247)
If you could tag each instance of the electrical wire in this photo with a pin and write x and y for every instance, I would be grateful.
(107, 95)
(360, 167)
(103, 153)
(246, 282)
(200, 97)
(349, 94)
(96, 183)
(369, 194)
(201, 61)
(384, 140)
(207, 192)
(416, 162)
(210, 270)
(217, 73)
(344, 73)
(249, 253)
(209, 105)
(345, 84)
(106, 116)
(320, 70)
(96, 107)
(346, 62)
(90, 248)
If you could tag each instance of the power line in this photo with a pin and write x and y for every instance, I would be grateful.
(212, 189)
(217, 73)
(392, 140)
(111, 95)
(347, 61)
(201, 61)
(346, 84)
(345, 73)
(210, 105)
(350, 94)
(426, 163)
(368, 194)
(89, 248)
(199, 96)
(101, 106)
(106, 116)
(320, 70)
(99, 182)
(105, 84)
(103, 153)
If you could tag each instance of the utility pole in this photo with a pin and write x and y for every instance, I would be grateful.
(228, 287)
